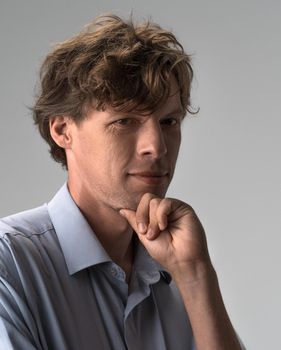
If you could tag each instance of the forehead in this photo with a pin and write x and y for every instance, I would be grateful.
(170, 104)
(173, 101)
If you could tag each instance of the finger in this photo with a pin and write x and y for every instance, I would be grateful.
(142, 212)
(153, 229)
(130, 216)
(164, 209)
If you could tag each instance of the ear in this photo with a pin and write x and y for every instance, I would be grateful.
(60, 130)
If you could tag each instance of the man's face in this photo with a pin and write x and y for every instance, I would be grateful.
(117, 157)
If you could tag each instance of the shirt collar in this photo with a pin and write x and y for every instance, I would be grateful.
(79, 244)
(81, 247)
(148, 267)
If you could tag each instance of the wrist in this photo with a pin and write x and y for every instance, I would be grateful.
(193, 272)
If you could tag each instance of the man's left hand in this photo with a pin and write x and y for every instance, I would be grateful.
(170, 231)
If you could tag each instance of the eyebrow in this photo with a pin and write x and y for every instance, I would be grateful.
(125, 114)
(176, 111)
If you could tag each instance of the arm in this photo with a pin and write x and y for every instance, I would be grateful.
(14, 315)
(17, 326)
(173, 235)
(201, 295)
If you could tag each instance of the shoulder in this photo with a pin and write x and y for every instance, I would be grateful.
(26, 223)
(22, 239)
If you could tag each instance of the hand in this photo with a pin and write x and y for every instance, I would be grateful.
(170, 231)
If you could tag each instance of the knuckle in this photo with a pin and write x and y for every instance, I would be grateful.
(141, 218)
(154, 202)
(148, 196)
(142, 215)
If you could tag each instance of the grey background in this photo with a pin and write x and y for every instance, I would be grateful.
(229, 167)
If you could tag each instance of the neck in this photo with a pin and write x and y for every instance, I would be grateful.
(112, 230)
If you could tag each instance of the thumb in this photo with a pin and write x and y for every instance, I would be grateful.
(130, 216)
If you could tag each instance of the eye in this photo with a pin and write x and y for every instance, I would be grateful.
(169, 121)
(124, 121)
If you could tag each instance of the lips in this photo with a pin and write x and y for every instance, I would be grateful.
(151, 178)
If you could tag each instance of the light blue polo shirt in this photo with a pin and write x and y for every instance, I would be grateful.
(59, 290)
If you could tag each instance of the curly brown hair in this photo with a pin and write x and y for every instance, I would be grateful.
(115, 63)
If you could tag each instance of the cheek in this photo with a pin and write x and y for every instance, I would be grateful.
(115, 157)
(121, 146)
(173, 142)
(120, 155)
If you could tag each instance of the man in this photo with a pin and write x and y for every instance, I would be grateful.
(110, 263)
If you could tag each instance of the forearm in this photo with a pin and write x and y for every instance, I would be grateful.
(201, 295)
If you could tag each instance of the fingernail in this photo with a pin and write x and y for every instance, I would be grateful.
(142, 227)
(121, 212)
(149, 233)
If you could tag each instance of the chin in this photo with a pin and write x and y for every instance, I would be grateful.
(132, 201)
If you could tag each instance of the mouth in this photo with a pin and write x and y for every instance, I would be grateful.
(151, 178)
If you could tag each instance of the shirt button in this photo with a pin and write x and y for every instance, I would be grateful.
(113, 271)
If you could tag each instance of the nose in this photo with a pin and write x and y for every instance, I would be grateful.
(151, 140)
